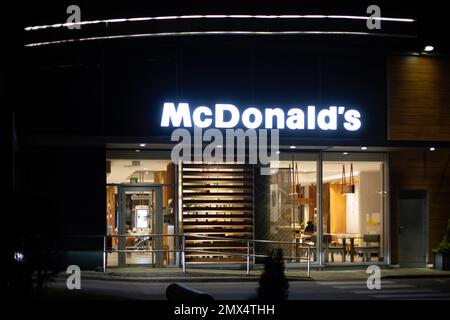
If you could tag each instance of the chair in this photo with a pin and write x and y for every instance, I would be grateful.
(339, 249)
(372, 245)
(328, 249)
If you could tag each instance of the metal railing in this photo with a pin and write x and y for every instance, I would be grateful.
(180, 247)
(249, 255)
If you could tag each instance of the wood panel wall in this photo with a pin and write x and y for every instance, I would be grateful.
(419, 110)
(326, 207)
(422, 170)
(313, 203)
(167, 178)
(419, 98)
(338, 209)
(161, 178)
(111, 212)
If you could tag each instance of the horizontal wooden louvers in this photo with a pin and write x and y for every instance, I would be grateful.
(217, 202)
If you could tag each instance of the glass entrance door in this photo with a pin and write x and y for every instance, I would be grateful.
(140, 225)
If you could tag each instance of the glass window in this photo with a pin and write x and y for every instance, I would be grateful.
(286, 206)
(353, 208)
(134, 216)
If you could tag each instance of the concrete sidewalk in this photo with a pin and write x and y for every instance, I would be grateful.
(140, 274)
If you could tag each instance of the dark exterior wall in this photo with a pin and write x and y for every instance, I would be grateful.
(61, 193)
(118, 88)
(262, 217)
(419, 110)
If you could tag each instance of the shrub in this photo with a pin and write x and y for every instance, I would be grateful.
(444, 246)
(273, 284)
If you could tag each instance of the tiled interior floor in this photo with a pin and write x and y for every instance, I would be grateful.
(144, 258)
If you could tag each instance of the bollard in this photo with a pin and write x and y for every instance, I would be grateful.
(105, 255)
(183, 253)
(309, 262)
(248, 258)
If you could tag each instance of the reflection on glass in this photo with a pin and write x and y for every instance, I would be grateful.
(353, 211)
(291, 204)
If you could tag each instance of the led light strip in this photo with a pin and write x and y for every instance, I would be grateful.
(215, 16)
(195, 33)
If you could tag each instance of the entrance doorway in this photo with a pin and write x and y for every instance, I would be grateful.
(140, 221)
(412, 231)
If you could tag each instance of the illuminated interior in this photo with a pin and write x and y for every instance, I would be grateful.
(221, 206)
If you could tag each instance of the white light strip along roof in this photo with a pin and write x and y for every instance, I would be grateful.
(195, 33)
(216, 16)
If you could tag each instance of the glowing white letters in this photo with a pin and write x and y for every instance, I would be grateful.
(229, 116)
(296, 119)
(232, 110)
(247, 116)
(197, 117)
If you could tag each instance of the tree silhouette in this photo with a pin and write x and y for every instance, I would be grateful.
(273, 284)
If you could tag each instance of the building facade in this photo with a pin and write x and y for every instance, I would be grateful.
(360, 177)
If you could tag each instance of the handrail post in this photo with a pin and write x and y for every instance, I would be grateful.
(248, 258)
(309, 262)
(153, 252)
(183, 253)
(105, 255)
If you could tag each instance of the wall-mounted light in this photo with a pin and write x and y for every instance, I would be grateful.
(142, 145)
(364, 148)
(428, 48)
(19, 256)
(292, 147)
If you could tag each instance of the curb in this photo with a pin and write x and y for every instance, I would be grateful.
(251, 278)
(420, 276)
(172, 279)
(178, 279)
(244, 279)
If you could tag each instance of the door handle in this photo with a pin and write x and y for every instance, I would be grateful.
(401, 229)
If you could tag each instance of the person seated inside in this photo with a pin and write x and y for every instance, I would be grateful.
(310, 228)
